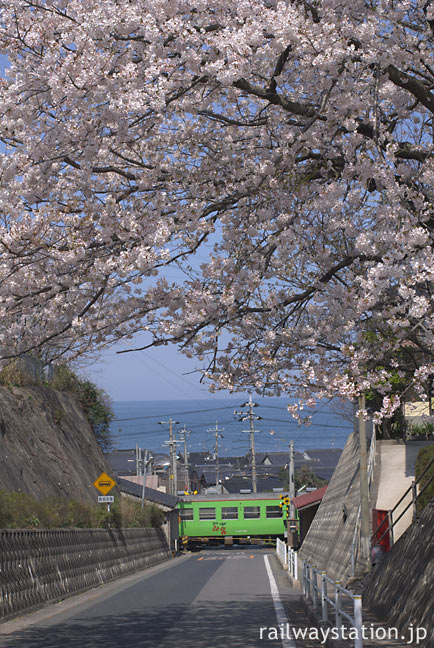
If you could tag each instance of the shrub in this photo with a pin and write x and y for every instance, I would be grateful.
(18, 510)
(157, 516)
(94, 402)
(22, 511)
(13, 376)
(423, 429)
(133, 515)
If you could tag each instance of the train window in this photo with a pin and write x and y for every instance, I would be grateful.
(207, 513)
(229, 513)
(251, 512)
(274, 512)
(186, 514)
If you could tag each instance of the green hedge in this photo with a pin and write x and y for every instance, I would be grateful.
(425, 456)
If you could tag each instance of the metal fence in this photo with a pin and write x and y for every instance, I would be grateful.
(281, 551)
(292, 562)
(319, 595)
(38, 567)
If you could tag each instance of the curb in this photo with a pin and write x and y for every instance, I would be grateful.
(316, 622)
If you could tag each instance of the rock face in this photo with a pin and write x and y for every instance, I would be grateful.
(47, 446)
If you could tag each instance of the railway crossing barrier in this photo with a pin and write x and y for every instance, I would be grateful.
(318, 593)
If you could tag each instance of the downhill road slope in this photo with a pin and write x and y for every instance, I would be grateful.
(208, 599)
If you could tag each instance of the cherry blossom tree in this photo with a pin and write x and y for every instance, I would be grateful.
(279, 153)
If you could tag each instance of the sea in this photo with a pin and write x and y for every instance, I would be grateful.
(146, 424)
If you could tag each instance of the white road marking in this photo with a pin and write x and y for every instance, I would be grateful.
(282, 619)
(223, 557)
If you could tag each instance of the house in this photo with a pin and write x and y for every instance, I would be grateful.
(306, 506)
(128, 463)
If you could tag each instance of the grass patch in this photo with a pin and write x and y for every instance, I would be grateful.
(22, 511)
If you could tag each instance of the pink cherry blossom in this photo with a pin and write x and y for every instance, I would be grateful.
(278, 155)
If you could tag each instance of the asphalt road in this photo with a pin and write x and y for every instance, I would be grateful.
(214, 598)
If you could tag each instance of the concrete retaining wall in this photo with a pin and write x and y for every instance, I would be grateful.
(39, 567)
(401, 588)
(328, 541)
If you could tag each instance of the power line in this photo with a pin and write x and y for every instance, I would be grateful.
(231, 435)
(137, 418)
(344, 427)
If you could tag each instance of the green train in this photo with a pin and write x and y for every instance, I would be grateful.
(234, 518)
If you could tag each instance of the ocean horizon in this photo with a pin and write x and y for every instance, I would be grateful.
(146, 424)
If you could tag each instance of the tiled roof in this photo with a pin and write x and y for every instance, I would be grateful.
(308, 499)
(236, 484)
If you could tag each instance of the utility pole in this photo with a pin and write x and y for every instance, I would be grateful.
(365, 530)
(217, 430)
(291, 482)
(183, 434)
(244, 416)
(145, 461)
(172, 454)
(173, 468)
(138, 452)
(292, 522)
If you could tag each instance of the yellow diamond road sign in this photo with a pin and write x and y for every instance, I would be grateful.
(104, 483)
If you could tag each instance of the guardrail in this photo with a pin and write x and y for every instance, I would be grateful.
(319, 595)
(281, 551)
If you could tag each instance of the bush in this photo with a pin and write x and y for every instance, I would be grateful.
(424, 458)
(423, 429)
(133, 515)
(157, 516)
(303, 476)
(13, 376)
(94, 402)
(22, 511)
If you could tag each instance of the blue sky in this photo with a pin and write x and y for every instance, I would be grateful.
(162, 373)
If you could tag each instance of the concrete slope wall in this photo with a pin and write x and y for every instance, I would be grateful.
(46, 445)
(39, 567)
(328, 541)
(401, 588)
